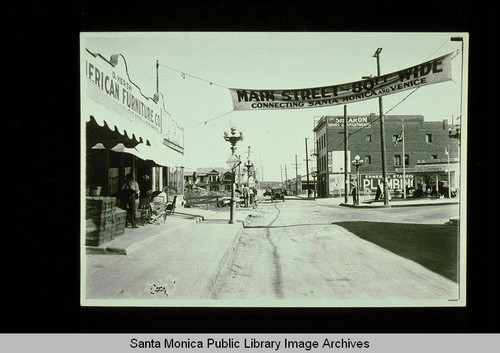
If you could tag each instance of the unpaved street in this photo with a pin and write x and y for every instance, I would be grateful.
(293, 250)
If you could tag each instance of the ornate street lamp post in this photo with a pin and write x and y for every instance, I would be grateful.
(233, 161)
(249, 167)
(357, 162)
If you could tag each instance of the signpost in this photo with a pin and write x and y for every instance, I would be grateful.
(233, 161)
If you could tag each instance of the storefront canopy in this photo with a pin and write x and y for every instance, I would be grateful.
(159, 156)
(108, 136)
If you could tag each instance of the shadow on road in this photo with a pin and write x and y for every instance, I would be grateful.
(291, 225)
(433, 246)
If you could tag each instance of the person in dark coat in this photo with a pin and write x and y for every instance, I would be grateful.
(131, 192)
(378, 193)
(354, 195)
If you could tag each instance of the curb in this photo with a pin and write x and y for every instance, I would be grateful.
(226, 257)
(363, 206)
(394, 206)
(199, 218)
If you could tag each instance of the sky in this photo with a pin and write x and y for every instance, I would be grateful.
(273, 60)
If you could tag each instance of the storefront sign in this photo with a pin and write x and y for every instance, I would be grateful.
(429, 72)
(423, 169)
(114, 98)
(394, 181)
(437, 161)
(352, 121)
(110, 85)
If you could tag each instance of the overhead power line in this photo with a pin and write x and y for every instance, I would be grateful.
(184, 74)
(206, 121)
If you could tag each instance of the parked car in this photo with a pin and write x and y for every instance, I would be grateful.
(277, 194)
(267, 192)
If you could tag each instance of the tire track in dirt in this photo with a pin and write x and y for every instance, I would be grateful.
(277, 277)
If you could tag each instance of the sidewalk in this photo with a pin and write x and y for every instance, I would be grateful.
(366, 202)
(183, 217)
(403, 203)
(180, 259)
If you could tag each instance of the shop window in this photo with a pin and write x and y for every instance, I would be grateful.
(368, 138)
(397, 159)
(428, 138)
(368, 160)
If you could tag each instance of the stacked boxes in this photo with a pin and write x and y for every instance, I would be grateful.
(98, 205)
(101, 220)
(119, 217)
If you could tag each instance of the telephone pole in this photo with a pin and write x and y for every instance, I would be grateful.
(281, 171)
(296, 176)
(382, 132)
(286, 179)
(307, 169)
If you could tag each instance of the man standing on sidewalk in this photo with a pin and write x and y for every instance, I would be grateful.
(245, 194)
(354, 195)
(131, 193)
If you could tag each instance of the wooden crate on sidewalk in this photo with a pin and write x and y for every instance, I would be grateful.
(119, 218)
(103, 222)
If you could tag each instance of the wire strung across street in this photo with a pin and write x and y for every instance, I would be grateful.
(193, 76)
(222, 86)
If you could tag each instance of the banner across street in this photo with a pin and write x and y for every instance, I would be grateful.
(429, 72)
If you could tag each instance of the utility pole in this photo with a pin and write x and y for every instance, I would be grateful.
(307, 169)
(346, 175)
(296, 176)
(239, 172)
(281, 171)
(382, 132)
(286, 179)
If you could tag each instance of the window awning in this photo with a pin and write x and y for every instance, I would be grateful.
(159, 155)
(107, 136)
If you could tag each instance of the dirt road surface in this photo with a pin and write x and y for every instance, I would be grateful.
(293, 250)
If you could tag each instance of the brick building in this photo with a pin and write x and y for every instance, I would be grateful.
(425, 158)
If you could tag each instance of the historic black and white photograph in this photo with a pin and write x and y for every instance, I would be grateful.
(273, 169)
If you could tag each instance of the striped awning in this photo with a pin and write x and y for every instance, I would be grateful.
(159, 155)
